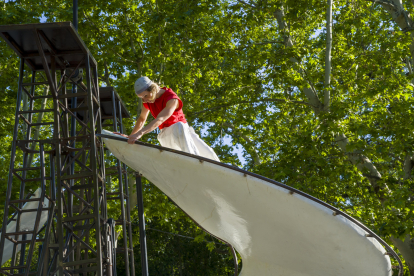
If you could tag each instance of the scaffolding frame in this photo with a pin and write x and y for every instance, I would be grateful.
(75, 239)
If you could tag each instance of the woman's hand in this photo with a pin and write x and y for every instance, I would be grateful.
(136, 136)
(121, 134)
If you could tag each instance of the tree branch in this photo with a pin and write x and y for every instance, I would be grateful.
(364, 165)
(249, 102)
(384, 3)
(124, 59)
(311, 95)
(251, 147)
(260, 43)
(91, 22)
(408, 166)
(247, 4)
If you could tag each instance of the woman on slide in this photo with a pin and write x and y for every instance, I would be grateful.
(166, 108)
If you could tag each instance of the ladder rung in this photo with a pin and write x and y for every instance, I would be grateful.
(19, 233)
(81, 227)
(114, 169)
(111, 168)
(34, 210)
(35, 179)
(27, 241)
(13, 267)
(111, 173)
(24, 200)
(42, 124)
(77, 109)
(120, 222)
(34, 83)
(113, 193)
(36, 111)
(75, 209)
(27, 169)
(25, 149)
(23, 274)
(79, 187)
(77, 218)
(76, 176)
(118, 197)
(80, 262)
(4, 269)
(71, 149)
(82, 270)
(42, 97)
(121, 249)
(49, 141)
(75, 137)
(113, 198)
(72, 95)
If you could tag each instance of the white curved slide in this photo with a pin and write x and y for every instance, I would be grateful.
(27, 223)
(276, 230)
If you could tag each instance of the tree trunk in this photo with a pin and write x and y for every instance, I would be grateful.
(406, 248)
(326, 94)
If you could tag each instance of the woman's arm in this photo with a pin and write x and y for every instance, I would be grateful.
(141, 120)
(139, 124)
(161, 118)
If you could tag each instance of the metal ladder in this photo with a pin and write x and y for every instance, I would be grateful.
(26, 206)
(74, 238)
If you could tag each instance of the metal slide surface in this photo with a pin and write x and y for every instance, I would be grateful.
(276, 229)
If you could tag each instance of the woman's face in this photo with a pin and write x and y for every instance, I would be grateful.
(147, 97)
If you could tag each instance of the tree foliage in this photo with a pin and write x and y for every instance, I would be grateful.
(253, 72)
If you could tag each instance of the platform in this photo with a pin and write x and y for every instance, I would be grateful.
(106, 103)
(58, 39)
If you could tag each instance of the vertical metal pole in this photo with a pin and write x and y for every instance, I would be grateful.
(13, 157)
(74, 104)
(44, 256)
(142, 235)
(94, 167)
(26, 163)
(75, 14)
(22, 254)
(128, 207)
(120, 188)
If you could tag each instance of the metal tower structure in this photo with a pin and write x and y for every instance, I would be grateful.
(113, 111)
(71, 201)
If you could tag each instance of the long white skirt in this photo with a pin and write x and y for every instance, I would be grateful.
(180, 136)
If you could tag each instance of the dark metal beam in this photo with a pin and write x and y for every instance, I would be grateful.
(75, 14)
(12, 156)
(142, 234)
